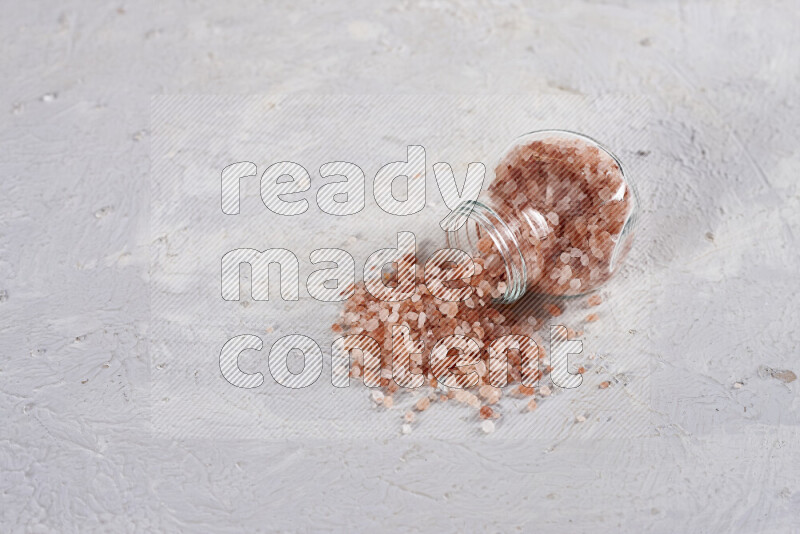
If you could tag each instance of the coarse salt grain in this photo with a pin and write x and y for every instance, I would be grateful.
(594, 300)
(526, 390)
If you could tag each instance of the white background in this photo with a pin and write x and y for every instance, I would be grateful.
(76, 452)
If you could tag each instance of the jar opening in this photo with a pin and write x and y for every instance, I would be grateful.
(481, 221)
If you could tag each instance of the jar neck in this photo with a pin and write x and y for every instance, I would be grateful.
(473, 220)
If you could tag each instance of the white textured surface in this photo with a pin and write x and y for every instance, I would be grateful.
(75, 449)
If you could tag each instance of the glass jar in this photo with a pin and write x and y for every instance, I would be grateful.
(559, 209)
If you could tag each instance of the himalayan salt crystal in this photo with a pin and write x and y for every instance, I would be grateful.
(553, 218)
(526, 390)
(553, 310)
(423, 404)
(406, 429)
(565, 257)
(594, 300)
(492, 260)
(510, 187)
(377, 396)
(450, 309)
(388, 401)
(545, 391)
(371, 325)
(486, 391)
(575, 284)
(604, 384)
(532, 405)
(485, 244)
(487, 427)
(592, 317)
(572, 333)
(409, 417)
(485, 412)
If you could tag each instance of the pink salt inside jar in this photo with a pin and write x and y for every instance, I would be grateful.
(570, 206)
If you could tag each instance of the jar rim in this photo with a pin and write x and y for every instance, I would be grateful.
(504, 239)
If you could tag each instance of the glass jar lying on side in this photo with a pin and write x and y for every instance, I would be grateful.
(560, 210)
